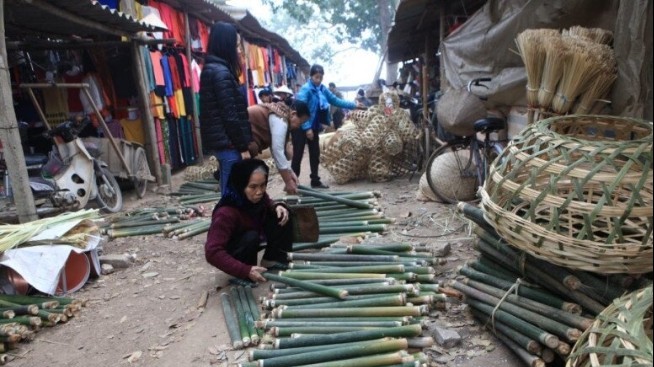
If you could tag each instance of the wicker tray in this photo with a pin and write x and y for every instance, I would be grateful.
(577, 191)
(620, 336)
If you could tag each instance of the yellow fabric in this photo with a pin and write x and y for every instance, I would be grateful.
(133, 130)
(179, 100)
(157, 104)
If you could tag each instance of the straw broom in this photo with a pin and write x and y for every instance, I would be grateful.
(556, 54)
(597, 35)
(532, 53)
(578, 72)
(600, 86)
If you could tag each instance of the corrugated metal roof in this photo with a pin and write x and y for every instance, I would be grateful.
(48, 18)
(415, 20)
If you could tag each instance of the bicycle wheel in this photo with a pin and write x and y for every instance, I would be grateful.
(109, 198)
(451, 173)
(494, 152)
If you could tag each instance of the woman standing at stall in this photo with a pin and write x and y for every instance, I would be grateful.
(224, 124)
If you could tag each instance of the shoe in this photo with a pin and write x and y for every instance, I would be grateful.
(273, 265)
(243, 282)
(319, 185)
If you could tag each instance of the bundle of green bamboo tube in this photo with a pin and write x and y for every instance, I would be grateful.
(369, 306)
(353, 214)
(200, 191)
(176, 223)
(539, 310)
(22, 316)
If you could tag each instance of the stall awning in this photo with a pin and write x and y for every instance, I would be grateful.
(67, 19)
(415, 20)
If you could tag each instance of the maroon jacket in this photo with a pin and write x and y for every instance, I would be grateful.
(228, 222)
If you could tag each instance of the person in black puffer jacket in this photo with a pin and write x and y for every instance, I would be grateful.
(224, 123)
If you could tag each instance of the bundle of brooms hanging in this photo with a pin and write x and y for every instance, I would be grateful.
(572, 71)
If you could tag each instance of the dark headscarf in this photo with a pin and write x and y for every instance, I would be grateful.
(239, 177)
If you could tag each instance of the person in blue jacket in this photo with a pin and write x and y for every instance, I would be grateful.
(319, 98)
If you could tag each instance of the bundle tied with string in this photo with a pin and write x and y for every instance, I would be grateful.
(620, 336)
(531, 47)
(577, 192)
(593, 98)
(578, 71)
(556, 55)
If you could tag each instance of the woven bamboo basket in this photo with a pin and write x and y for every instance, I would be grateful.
(620, 336)
(577, 191)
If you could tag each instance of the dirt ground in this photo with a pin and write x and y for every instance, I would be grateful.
(147, 314)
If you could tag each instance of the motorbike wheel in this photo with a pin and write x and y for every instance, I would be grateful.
(109, 198)
(142, 170)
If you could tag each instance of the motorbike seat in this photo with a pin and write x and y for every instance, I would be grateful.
(35, 160)
(93, 149)
(490, 124)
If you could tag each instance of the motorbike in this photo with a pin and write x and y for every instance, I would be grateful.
(74, 175)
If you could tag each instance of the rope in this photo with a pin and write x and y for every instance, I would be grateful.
(515, 287)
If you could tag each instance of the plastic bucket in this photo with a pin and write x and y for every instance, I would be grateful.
(75, 273)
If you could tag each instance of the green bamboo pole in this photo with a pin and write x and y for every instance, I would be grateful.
(240, 314)
(352, 290)
(252, 303)
(553, 326)
(379, 301)
(350, 312)
(39, 301)
(420, 270)
(233, 326)
(23, 320)
(402, 319)
(131, 224)
(603, 287)
(353, 229)
(355, 249)
(530, 330)
(267, 324)
(313, 287)
(367, 361)
(529, 344)
(393, 247)
(21, 310)
(323, 241)
(356, 281)
(136, 231)
(311, 276)
(203, 227)
(351, 214)
(292, 256)
(353, 203)
(317, 356)
(370, 269)
(339, 264)
(249, 316)
(485, 265)
(256, 354)
(352, 336)
(570, 319)
(476, 215)
(296, 331)
(272, 303)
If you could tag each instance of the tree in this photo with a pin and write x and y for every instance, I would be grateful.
(363, 23)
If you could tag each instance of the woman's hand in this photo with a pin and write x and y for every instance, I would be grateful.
(310, 134)
(255, 274)
(282, 214)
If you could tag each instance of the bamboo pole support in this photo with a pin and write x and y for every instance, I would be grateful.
(318, 288)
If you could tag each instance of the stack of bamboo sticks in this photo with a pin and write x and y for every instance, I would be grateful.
(353, 214)
(196, 192)
(22, 316)
(356, 305)
(177, 223)
(539, 310)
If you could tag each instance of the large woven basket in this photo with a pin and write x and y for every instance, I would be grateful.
(620, 336)
(577, 191)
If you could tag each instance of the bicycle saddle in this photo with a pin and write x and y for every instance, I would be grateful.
(490, 124)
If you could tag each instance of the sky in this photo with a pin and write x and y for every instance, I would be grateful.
(348, 68)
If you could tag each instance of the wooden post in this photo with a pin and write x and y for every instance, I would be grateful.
(441, 36)
(196, 113)
(146, 115)
(10, 137)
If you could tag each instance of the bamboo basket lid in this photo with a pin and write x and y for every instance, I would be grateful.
(620, 336)
(576, 191)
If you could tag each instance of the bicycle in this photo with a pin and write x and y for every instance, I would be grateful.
(474, 165)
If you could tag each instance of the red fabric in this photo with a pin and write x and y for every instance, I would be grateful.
(174, 21)
(174, 71)
(203, 30)
(155, 57)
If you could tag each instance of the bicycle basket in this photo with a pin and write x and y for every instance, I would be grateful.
(457, 111)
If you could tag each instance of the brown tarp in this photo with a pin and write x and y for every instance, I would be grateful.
(485, 47)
